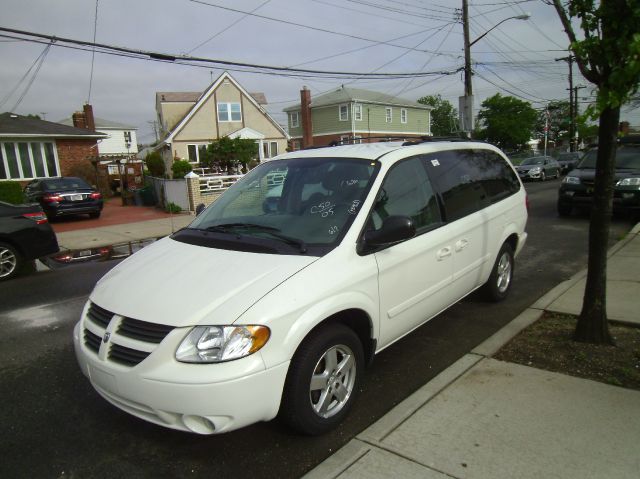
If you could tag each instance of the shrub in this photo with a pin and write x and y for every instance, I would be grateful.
(11, 192)
(180, 168)
(155, 164)
(173, 208)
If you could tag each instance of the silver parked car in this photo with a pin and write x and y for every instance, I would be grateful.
(538, 168)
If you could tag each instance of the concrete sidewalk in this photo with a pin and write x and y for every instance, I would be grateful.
(483, 418)
(85, 239)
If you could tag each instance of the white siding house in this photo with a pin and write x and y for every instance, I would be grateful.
(118, 137)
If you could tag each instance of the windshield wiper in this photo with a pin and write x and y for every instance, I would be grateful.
(270, 230)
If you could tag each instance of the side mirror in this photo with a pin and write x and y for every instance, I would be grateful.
(200, 208)
(394, 230)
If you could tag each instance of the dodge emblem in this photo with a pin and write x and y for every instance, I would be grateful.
(105, 338)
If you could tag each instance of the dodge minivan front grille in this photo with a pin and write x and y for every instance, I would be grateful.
(98, 321)
(98, 315)
(126, 356)
(143, 331)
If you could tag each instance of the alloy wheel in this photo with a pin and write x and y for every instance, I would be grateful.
(504, 272)
(333, 381)
(8, 262)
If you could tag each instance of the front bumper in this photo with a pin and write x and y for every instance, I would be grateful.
(581, 196)
(200, 398)
(528, 175)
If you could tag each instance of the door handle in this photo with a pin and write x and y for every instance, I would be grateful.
(443, 253)
(461, 244)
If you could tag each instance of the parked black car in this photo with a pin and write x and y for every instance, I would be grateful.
(25, 234)
(65, 196)
(538, 168)
(576, 189)
(568, 161)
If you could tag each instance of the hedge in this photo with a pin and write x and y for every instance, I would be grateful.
(11, 192)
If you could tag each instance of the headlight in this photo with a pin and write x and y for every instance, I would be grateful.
(629, 182)
(535, 169)
(215, 344)
(571, 180)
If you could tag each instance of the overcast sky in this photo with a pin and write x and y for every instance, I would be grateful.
(517, 58)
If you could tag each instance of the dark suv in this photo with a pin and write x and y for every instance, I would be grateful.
(576, 189)
(65, 196)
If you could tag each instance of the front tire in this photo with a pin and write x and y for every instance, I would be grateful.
(323, 380)
(543, 176)
(499, 284)
(10, 261)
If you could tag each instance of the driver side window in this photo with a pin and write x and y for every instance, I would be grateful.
(406, 191)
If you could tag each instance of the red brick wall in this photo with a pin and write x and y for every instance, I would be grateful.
(75, 154)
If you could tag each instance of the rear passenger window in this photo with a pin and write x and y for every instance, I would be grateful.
(496, 176)
(458, 176)
(406, 191)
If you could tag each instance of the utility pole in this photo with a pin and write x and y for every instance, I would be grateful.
(576, 112)
(569, 60)
(466, 102)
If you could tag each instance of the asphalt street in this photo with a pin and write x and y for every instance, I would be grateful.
(55, 425)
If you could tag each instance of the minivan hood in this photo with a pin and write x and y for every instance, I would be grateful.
(179, 284)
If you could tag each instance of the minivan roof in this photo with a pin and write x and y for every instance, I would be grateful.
(373, 151)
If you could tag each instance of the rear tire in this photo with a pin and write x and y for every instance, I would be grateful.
(11, 261)
(323, 380)
(94, 215)
(499, 284)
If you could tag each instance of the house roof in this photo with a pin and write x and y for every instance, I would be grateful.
(347, 95)
(102, 123)
(207, 93)
(12, 125)
(194, 96)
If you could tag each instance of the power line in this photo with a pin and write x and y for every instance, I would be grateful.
(197, 61)
(93, 53)
(33, 78)
(310, 27)
(15, 88)
(225, 29)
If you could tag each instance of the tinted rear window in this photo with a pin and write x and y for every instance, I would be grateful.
(62, 184)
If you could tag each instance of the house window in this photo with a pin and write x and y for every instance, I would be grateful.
(343, 112)
(196, 152)
(295, 145)
(294, 119)
(389, 114)
(25, 160)
(229, 112)
(403, 115)
(357, 140)
(344, 140)
(127, 137)
(357, 112)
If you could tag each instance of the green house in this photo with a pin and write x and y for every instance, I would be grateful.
(352, 115)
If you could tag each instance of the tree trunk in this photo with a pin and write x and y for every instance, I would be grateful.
(593, 326)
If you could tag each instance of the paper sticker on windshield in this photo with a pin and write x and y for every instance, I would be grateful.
(353, 209)
(435, 162)
(333, 230)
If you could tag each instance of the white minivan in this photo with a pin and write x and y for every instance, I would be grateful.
(274, 298)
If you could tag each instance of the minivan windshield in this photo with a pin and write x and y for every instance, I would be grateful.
(301, 203)
(627, 157)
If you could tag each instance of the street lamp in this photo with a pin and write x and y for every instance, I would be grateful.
(466, 101)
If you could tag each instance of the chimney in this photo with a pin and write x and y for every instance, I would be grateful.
(79, 120)
(305, 113)
(88, 116)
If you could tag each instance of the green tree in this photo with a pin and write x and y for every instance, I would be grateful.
(506, 121)
(559, 119)
(180, 168)
(444, 117)
(608, 55)
(229, 152)
(155, 164)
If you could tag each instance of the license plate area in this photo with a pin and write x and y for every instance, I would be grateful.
(76, 197)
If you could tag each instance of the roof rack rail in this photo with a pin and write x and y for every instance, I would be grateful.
(430, 139)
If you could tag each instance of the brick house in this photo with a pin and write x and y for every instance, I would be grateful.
(352, 115)
(32, 148)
